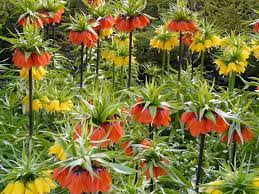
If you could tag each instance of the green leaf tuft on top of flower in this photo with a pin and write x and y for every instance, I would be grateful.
(180, 12)
(234, 180)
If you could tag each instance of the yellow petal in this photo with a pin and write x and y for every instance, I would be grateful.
(18, 188)
(39, 185)
(208, 44)
(36, 105)
(8, 189)
(30, 188)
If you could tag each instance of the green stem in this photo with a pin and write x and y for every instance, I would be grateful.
(121, 74)
(30, 115)
(130, 58)
(168, 61)
(202, 63)
(113, 76)
(82, 66)
(192, 64)
(163, 63)
(231, 82)
(234, 147)
(180, 57)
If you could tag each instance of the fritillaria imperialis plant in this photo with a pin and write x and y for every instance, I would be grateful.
(153, 164)
(182, 20)
(101, 11)
(30, 52)
(131, 18)
(86, 168)
(26, 175)
(203, 117)
(237, 180)
(150, 108)
(82, 33)
(241, 129)
(29, 14)
(104, 122)
(164, 41)
(51, 11)
(117, 53)
(233, 57)
(204, 39)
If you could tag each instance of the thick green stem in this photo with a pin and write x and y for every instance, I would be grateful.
(30, 114)
(163, 63)
(231, 82)
(199, 169)
(130, 58)
(202, 63)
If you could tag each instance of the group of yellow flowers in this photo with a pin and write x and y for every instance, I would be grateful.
(216, 187)
(37, 73)
(40, 185)
(203, 41)
(234, 50)
(50, 106)
(164, 40)
(234, 55)
(118, 54)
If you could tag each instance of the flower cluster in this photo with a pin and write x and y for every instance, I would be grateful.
(82, 32)
(142, 114)
(37, 73)
(51, 11)
(246, 135)
(41, 13)
(153, 164)
(38, 185)
(50, 106)
(78, 180)
(204, 40)
(164, 39)
(35, 59)
(128, 24)
(233, 58)
(118, 52)
(58, 106)
(106, 132)
(198, 126)
(220, 186)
